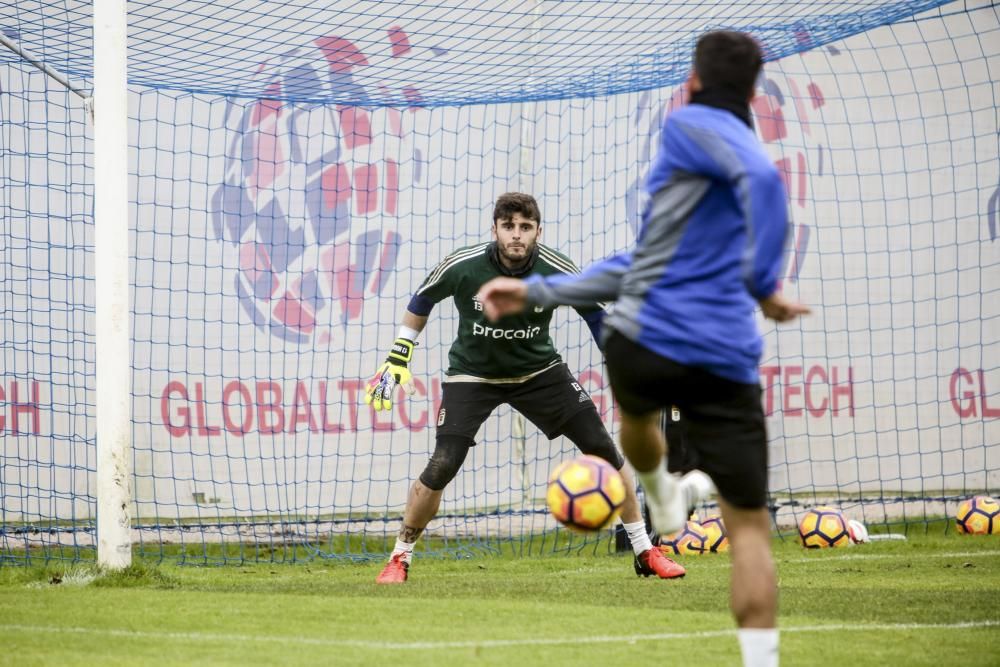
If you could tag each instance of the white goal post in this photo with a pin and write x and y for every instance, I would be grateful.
(111, 250)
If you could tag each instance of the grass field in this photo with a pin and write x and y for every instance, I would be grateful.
(933, 600)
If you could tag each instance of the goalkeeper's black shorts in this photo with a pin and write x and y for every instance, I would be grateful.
(553, 401)
(723, 421)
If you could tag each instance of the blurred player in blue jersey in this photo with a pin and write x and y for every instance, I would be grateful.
(683, 330)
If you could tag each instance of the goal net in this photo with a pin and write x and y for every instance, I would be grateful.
(297, 169)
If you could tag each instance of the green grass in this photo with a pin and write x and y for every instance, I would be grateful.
(886, 603)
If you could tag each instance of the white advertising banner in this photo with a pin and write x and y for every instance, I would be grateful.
(277, 243)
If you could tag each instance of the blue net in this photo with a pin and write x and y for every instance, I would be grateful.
(444, 54)
(296, 172)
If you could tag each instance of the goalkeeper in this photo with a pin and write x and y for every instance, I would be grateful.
(511, 361)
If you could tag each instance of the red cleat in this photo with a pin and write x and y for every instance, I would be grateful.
(652, 561)
(395, 571)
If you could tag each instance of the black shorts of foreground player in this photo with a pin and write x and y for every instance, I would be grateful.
(511, 361)
(683, 330)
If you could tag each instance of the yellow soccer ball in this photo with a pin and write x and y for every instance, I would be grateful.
(585, 494)
(978, 516)
(715, 530)
(691, 539)
(824, 527)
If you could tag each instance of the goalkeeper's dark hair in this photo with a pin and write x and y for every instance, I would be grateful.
(516, 202)
(729, 60)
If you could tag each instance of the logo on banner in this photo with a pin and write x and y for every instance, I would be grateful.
(310, 196)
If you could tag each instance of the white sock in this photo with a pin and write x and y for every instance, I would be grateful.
(658, 484)
(664, 499)
(638, 536)
(405, 548)
(759, 646)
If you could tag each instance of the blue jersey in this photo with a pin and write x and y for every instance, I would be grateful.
(711, 244)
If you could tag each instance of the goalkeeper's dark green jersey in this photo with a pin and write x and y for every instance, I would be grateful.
(513, 348)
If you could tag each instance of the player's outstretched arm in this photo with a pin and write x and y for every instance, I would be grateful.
(396, 369)
(599, 283)
(502, 296)
(780, 308)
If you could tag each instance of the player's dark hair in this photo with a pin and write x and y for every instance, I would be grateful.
(730, 60)
(516, 202)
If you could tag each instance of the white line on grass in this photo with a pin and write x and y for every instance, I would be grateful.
(860, 556)
(485, 643)
(822, 556)
(825, 555)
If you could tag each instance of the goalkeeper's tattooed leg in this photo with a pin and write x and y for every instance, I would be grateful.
(421, 506)
(410, 533)
(425, 493)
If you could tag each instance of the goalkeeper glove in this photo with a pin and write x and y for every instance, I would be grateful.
(394, 371)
